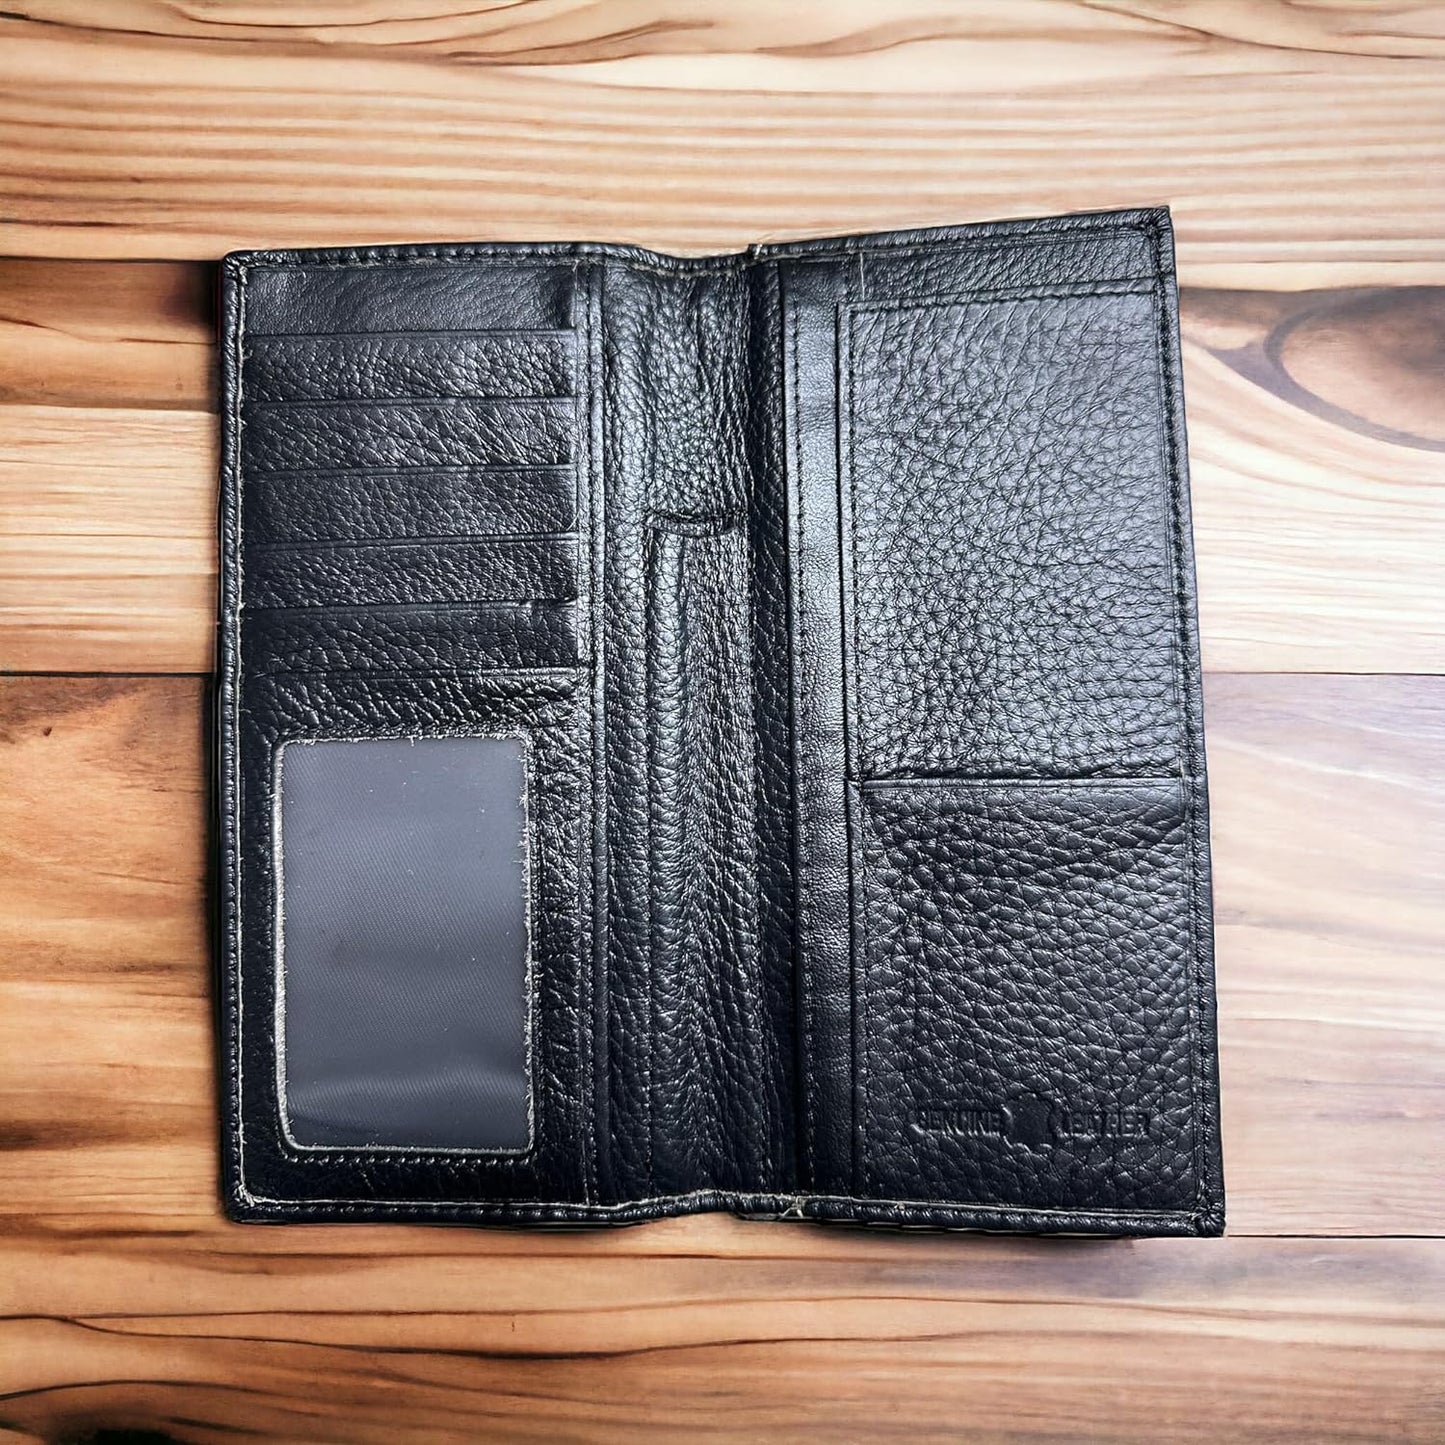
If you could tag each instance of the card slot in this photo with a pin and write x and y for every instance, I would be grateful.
(307, 437)
(281, 371)
(415, 638)
(264, 548)
(321, 404)
(471, 293)
(395, 572)
(332, 506)
(1025, 1027)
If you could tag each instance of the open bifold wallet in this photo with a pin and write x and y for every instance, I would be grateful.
(715, 733)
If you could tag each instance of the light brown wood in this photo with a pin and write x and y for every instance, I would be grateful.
(1318, 473)
(109, 333)
(1319, 499)
(566, 32)
(107, 539)
(1300, 145)
(1328, 799)
(1277, 1340)
(125, 1300)
(1296, 144)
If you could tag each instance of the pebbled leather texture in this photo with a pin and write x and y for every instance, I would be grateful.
(841, 594)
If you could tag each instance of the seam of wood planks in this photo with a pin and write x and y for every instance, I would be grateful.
(1316, 440)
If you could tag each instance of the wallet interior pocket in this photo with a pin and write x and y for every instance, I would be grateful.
(415, 746)
(420, 973)
(1022, 845)
(1011, 593)
(715, 1075)
(1026, 1030)
(411, 495)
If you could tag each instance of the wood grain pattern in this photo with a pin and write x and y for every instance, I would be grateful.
(125, 1300)
(565, 32)
(1295, 144)
(1285, 1341)
(1328, 799)
(107, 539)
(109, 333)
(1300, 143)
(1319, 499)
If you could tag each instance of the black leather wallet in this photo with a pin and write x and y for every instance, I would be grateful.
(715, 733)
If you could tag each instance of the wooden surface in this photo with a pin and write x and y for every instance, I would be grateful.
(1302, 147)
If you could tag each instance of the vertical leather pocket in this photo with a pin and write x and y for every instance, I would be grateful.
(414, 955)
(1023, 803)
(411, 785)
(1010, 585)
(715, 1069)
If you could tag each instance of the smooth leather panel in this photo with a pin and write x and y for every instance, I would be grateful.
(812, 294)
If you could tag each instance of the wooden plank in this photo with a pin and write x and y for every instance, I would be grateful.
(1235, 1339)
(107, 539)
(1315, 448)
(1328, 800)
(107, 333)
(1315, 434)
(566, 120)
(1329, 797)
(552, 33)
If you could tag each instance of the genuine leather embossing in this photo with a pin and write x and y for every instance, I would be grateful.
(841, 593)
(1027, 949)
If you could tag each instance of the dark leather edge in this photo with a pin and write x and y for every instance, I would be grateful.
(238, 1202)
(569, 251)
(880, 1214)
(1208, 1150)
